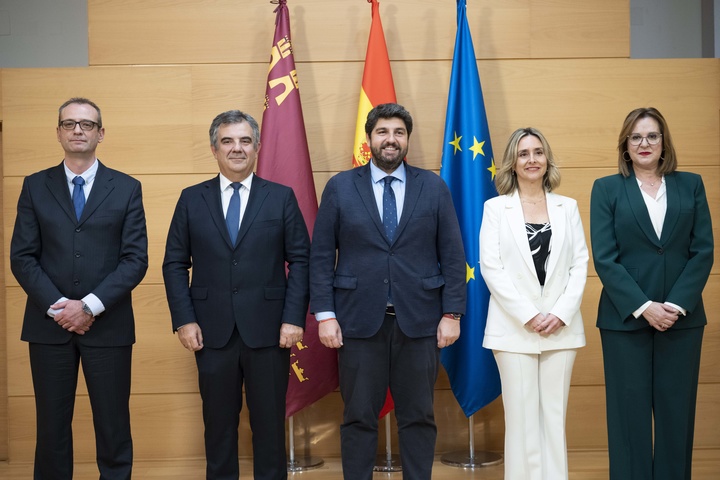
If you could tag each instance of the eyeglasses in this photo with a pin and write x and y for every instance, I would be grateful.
(653, 138)
(85, 125)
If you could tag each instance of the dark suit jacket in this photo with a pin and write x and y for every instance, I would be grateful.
(634, 265)
(246, 285)
(425, 263)
(105, 253)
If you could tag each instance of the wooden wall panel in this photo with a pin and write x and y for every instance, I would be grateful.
(170, 426)
(3, 321)
(568, 28)
(579, 104)
(558, 65)
(204, 31)
(147, 113)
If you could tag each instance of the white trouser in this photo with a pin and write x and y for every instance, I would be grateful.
(535, 392)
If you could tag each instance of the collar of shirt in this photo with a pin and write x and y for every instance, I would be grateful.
(656, 207)
(225, 183)
(398, 187)
(378, 175)
(88, 175)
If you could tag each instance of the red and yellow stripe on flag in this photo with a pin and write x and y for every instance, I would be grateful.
(377, 84)
(377, 87)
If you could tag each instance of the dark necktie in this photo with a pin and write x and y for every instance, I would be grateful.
(232, 219)
(389, 209)
(78, 195)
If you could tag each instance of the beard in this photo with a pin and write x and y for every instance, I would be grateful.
(388, 163)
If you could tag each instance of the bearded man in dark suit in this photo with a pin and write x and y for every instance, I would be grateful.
(387, 272)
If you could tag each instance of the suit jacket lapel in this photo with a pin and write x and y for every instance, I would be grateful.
(102, 186)
(413, 187)
(639, 209)
(211, 196)
(673, 207)
(516, 222)
(557, 216)
(56, 183)
(363, 184)
(258, 193)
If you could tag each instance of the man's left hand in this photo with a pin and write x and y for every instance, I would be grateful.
(448, 332)
(290, 335)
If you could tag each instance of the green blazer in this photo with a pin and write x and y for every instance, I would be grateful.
(635, 265)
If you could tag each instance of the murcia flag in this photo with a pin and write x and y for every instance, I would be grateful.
(285, 158)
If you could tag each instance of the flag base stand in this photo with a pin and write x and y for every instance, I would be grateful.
(387, 462)
(384, 463)
(304, 463)
(471, 458)
(477, 459)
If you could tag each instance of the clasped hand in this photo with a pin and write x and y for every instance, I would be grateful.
(661, 316)
(71, 316)
(545, 324)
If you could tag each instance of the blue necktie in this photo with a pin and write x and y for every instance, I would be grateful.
(78, 196)
(232, 218)
(389, 209)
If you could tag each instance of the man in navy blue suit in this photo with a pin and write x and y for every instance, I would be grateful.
(241, 313)
(78, 249)
(387, 285)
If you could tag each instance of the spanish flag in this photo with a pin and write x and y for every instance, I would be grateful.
(377, 84)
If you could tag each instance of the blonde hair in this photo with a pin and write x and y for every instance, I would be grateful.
(505, 179)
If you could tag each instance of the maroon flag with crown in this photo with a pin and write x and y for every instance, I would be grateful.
(285, 158)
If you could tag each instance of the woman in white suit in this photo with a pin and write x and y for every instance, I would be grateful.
(533, 257)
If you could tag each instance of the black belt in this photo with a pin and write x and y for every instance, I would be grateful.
(390, 310)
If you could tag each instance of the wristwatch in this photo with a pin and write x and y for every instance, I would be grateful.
(87, 310)
(454, 316)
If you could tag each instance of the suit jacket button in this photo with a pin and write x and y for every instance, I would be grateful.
(76, 282)
(234, 262)
(660, 251)
(77, 230)
(77, 254)
(235, 290)
(385, 281)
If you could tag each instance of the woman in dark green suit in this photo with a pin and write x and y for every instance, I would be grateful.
(652, 245)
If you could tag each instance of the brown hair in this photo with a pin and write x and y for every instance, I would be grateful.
(668, 159)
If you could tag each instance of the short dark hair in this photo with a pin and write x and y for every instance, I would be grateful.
(230, 117)
(82, 101)
(388, 110)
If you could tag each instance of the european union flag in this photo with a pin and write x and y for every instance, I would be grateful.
(468, 168)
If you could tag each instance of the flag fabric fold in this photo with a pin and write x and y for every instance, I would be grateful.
(284, 158)
(468, 168)
(377, 88)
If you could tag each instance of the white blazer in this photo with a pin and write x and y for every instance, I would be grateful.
(509, 272)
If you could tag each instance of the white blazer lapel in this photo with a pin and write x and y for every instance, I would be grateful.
(558, 224)
(516, 222)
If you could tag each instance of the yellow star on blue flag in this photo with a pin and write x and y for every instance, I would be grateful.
(469, 173)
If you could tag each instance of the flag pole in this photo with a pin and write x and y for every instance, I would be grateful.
(306, 462)
(387, 462)
(471, 459)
